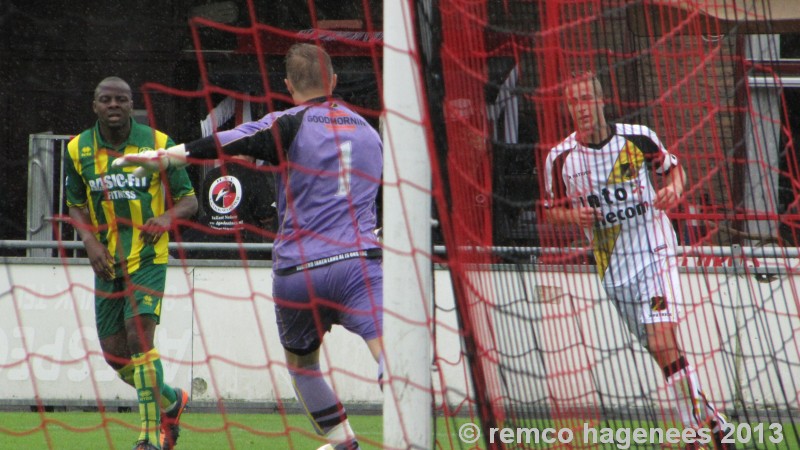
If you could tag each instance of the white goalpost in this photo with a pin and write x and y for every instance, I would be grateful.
(407, 238)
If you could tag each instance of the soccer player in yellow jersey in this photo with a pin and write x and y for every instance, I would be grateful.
(601, 177)
(123, 221)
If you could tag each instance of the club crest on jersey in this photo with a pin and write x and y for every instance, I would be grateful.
(225, 194)
(627, 170)
(658, 303)
(629, 161)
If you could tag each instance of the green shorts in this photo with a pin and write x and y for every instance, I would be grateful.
(118, 300)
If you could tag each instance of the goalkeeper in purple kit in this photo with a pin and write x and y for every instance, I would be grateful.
(326, 258)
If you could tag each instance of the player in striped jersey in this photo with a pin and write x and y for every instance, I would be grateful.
(601, 178)
(123, 220)
(326, 258)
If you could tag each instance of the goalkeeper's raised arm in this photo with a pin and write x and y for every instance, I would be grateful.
(261, 139)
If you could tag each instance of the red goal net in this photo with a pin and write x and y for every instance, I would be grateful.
(525, 348)
(715, 80)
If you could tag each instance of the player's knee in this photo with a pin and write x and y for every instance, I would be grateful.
(663, 347)
(302, 357)
(640, 333)
(140, 335)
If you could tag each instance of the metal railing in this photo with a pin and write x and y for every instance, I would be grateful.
(45, 203)
(78, 245)
(767, 261)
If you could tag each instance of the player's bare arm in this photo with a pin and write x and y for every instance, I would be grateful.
(152, 230)
(99, 257)
(669, 196)
(584, 216)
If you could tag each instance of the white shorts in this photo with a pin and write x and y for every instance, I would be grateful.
(652, 296)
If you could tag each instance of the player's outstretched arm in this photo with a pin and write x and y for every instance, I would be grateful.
(242, 140)
(583, 216)
(154, 160)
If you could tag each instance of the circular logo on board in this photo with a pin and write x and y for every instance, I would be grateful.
(225, 194)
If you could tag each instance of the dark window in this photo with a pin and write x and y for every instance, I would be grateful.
(790, 46)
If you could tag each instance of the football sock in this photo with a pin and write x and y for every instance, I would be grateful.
(126, 374)
(342, 437)
(168, 394)
(148, 376)
(323, 408)
(694, 409)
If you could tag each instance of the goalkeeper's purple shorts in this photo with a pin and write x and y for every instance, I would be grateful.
(310, 302)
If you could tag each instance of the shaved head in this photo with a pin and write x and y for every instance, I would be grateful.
(112, 82)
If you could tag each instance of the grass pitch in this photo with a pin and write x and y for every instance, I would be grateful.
(200, 431)
(214, 431)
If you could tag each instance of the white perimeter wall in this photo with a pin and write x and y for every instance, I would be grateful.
(218, 329)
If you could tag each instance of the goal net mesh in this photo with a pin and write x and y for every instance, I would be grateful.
(542, 344)
(523, 334)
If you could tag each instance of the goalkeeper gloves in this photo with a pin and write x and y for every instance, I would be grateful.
(150, 161)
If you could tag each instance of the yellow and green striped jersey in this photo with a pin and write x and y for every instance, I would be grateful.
(120, 203)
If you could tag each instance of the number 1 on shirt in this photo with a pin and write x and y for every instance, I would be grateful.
(345, 165)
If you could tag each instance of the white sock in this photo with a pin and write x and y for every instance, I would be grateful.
(341, 434)
(693, 407)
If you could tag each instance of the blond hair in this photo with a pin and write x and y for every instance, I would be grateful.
(308, 67)
(577, 77)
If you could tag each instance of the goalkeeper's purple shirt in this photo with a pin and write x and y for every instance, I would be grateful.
(330, 162)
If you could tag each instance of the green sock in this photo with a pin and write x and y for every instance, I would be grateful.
(168, 394)
(148, 376)
(126, 374)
